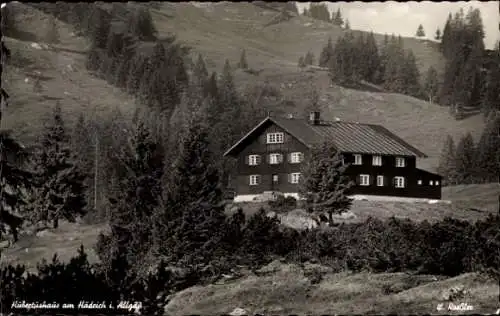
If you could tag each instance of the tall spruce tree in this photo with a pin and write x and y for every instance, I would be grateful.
(141, 25)
(15, 180)
(373, 58)
(200, 72)
(488, 149)
(431, 84)
(420, 31)
(326, 54)
(447, 162)
(465, 159)
(437, 36)
(337, 19)
(243, 64)
(323, 182)
(347, 25)
(309, 59)
(138, 194)
(60, 190)
(194, 214)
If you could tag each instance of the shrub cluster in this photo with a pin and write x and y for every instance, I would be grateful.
(450, 247)
(283, 204)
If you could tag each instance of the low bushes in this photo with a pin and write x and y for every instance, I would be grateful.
(450, 247)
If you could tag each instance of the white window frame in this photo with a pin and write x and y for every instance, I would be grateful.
(275, 138)
(419, 182)
(295, 177)
(400, 162)
(431, 182)
(377, 160)
(437, 182)
(380, 181)
(397, 184)
(296, 157)
(364, 176)
(356, 162)
(275, 176)
(254, 179)
(279, 158)
(253, 160)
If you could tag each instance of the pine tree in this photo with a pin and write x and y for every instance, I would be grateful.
(447, 38)
(411, 75)
(420, 31)
(347, 25)
(194, 173)
(323, 182)
(15, 182)
(491, 94)
(301, 64)
(141, 25)
(200, 72)
(243, 61)
(337, 19)
(309, 59)
(373, 59)
(134, 203)
(194, 215)
(488, 149)
(437, 37)
(465, 156)
(431, 83)
(211, 88)
(447, 162)
(326, 54)
(98, 27)
(60, 191)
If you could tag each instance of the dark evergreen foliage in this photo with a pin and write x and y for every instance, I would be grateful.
(324, 184)
(60, 190)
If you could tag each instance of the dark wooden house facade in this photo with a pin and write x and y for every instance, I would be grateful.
(269, 159)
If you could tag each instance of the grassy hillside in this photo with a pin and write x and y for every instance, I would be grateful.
(221, 31)
(290, 289)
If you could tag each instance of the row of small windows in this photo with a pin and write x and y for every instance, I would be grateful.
(377, 161)
(399, 182)
(275, 158)
(364, 180)
(293, 178)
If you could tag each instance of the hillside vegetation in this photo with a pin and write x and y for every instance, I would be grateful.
(221, 31)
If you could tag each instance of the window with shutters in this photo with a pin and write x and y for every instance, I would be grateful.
(275, 138)
(295, 177)
(296, 157)
(358, 159)
(400, 162)
(275, 159)
(253, 160)
(377, 161)
(399, 182)
(254, 179)
(364, 179)
(380, 181)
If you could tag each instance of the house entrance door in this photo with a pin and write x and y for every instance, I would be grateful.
(274, 182)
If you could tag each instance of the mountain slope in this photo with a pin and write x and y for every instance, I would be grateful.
(219, 31)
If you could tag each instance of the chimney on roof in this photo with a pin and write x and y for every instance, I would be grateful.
(314, 118)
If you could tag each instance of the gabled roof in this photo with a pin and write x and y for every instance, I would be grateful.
(346, 136)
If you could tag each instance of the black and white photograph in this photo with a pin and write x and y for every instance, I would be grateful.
(250, 158)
